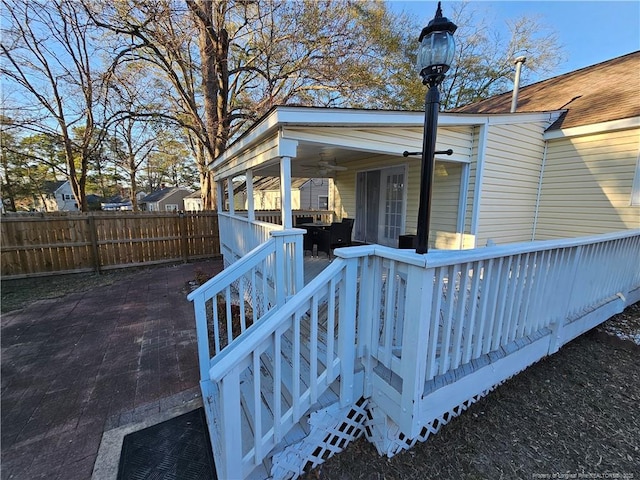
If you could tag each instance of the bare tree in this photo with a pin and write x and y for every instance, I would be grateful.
(133, 136)
(52, 64)
(484, 58)
(160, 36)
(250, 56)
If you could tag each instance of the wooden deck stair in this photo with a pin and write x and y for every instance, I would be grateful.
(266, 386)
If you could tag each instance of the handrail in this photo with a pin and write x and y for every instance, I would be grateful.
(240, 372)
(223, 364)
(439, 258)
(232, 272)
(246, 291)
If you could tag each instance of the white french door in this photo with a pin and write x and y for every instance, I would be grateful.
(380, 205)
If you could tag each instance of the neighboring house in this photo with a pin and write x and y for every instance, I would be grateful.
(56, 196)
(140, 196)
(565, 164)
(314, 194)
(167, 199)
(65, 199)
(116, 205)
(306, 194)
(193, 202)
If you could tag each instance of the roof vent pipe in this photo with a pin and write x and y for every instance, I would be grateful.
(516, 83)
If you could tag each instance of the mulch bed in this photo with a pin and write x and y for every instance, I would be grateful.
(575, 414)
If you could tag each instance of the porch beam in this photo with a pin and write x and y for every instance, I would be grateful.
(462, 201)
(285, 192)
(477, 191)
(220, 196)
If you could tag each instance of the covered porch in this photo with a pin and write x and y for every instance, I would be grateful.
(360, 153)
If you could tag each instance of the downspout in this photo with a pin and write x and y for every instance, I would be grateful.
(535, 215)
(516, 83)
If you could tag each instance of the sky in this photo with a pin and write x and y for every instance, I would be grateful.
(590, 31)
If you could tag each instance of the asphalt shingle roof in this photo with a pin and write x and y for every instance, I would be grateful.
(159, 194)
(600, 93)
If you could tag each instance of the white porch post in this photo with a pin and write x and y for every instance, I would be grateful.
(462, 202)
(285, 192)
(220, 196)
(232, 209)
(477, 191)
(251, 214)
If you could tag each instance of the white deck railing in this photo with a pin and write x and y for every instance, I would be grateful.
(433, 318)
(246, 291)
(303, 349)
(408, 318)
(239, 235)
(275, 216)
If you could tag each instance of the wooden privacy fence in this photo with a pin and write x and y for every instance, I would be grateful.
(90, 242)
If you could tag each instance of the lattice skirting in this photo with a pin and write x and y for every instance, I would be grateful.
(332, 429)
(385, 434)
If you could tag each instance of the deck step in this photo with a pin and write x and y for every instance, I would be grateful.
(328, 398)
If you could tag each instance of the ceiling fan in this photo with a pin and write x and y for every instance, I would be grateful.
(324, 168)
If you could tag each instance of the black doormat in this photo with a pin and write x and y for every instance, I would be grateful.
(178, 449)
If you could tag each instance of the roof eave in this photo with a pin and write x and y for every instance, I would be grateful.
(309, 117)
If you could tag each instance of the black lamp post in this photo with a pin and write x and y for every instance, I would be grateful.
(437, 48)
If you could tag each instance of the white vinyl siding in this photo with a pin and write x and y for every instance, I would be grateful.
(587, 185)
(444, 211)
(513, 160)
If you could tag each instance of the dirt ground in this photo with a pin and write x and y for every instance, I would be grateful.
(575, 414)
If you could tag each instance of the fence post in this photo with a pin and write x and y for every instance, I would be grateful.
(93, 234)
(184, 240)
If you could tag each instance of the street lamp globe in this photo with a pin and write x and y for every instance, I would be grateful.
(437, 48)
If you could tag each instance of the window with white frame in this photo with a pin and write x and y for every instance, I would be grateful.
(171, 207)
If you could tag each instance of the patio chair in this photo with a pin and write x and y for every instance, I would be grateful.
(309, 239)
(349, 221)
(338, 235)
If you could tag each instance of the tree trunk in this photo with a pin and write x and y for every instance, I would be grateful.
(213, 43)
(134, 189)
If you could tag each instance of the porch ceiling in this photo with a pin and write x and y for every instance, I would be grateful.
(306, 163)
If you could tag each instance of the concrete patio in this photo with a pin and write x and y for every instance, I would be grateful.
(91, 363)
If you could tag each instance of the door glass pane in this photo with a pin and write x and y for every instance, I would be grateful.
(394, 189)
